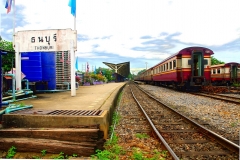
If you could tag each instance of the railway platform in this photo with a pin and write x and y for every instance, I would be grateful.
(92, 105)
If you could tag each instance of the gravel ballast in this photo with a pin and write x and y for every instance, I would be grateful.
(222, 117)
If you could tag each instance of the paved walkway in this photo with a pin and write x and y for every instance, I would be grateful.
(87, 98)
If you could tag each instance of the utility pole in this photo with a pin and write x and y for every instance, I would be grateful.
(146, 65)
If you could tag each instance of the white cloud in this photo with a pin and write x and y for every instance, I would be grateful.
(124, 22)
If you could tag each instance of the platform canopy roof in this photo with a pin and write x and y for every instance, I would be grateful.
(121, 68)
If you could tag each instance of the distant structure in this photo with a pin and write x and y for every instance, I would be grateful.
(122, 70)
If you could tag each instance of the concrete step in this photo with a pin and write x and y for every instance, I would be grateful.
(80, 141)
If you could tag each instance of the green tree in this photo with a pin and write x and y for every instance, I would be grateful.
(8, 61)
(106, 73)
(140, 72)
(102, 74)
(215, 61)
(130, 76)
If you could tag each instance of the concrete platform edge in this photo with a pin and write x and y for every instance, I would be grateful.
(61, 121)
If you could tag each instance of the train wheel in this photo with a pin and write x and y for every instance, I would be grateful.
(174, 86)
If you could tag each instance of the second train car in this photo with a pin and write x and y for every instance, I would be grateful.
(225, 74)
(190, 68)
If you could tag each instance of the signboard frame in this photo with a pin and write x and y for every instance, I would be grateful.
(46, 40)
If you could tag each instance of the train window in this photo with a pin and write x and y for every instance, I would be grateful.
(164, 67)
(170, 65)
(218, 71)
(174, 64)
(167, 66)
(214, 71)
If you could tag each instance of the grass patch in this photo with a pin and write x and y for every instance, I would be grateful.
(74, 155)
(112, 149)
(142, 135)
(236, 84)
(60, 156)
(119, 98)
(11, 152)
(234, 124)
(44, 152)
(36, 157)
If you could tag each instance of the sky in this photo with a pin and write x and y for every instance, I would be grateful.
(142, 32)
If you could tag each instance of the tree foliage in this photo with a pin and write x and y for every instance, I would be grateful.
(140, 72)
(102, 74)
(215, 61)
(8, 61)
(98, 77)
(131, 76)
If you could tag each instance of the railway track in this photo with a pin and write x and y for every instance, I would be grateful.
(133, 123)
(182, 137)
(225, 98)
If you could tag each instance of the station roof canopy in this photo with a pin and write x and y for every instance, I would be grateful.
(121, 68)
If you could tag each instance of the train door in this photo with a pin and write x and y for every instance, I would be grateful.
(233, 73)
(197, 63)
(197, 66)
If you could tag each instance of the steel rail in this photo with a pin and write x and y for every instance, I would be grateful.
(225, 96)
(156, 131)
(219, 97)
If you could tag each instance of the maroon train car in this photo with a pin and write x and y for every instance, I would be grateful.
(223, 74)
(188, 68)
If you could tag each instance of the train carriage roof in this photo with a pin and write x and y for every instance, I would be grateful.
(225, 64)
(231, 63)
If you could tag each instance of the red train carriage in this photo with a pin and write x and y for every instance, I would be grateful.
(190, 67)
(139, 77)
(223, 74)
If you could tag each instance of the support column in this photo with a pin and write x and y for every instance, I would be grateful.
(18, 69)
(73, 79)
